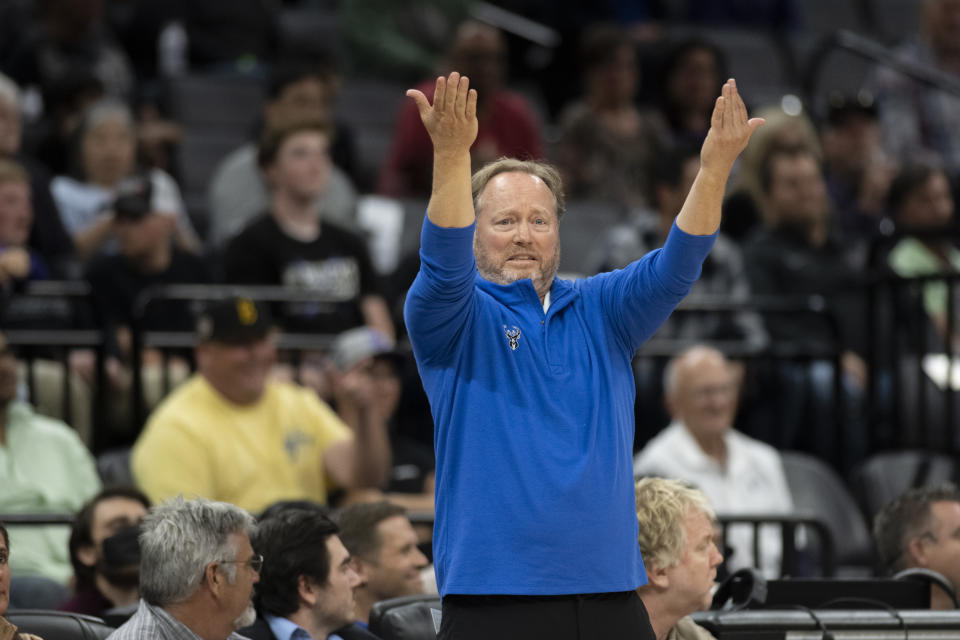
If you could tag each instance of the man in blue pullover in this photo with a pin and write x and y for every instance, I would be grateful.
(531, 388)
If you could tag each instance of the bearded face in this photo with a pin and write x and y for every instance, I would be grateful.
(517, 234)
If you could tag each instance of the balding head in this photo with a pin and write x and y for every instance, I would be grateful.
(701, 391)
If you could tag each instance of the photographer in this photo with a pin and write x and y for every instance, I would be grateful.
(147, 257)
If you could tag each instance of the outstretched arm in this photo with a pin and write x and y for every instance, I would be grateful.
(452, 124)
(730, 129)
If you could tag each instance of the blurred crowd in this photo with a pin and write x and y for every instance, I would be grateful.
(103, 180)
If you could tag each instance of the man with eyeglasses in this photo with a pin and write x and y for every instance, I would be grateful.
(197, 571)
(738, 474)
(921, 529)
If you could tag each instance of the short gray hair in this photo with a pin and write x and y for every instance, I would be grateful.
(179, 538)
(9, 90)
(904, 518)
(662, 506)
(546, 172)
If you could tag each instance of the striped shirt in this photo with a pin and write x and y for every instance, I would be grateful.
(153, 622)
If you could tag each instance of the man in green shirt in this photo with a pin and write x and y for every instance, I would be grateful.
(44, 468)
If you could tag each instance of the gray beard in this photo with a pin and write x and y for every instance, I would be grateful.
(247, 618)
(543, 279)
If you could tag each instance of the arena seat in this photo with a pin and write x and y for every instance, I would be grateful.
(113, 467)
(819, 492)
(884, 476)
(59, 625)
(405, 618)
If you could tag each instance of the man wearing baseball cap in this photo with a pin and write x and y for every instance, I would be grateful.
(230, 434)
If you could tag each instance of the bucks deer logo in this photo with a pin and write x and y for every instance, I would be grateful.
(513, 335)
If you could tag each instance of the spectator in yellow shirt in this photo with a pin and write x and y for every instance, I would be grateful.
(232, 435)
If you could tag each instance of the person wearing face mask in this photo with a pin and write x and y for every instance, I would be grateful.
(105, 553)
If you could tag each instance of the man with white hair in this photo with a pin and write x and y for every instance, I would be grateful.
(677, 542)
(197, 571)
(740, 475)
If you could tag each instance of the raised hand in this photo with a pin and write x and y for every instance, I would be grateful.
(452, 119)
(730, 130)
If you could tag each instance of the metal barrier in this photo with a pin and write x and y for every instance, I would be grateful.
(917, 372)
(36, 519)
(197, 295)
(34, 342)
(899, 396)
(789, 526)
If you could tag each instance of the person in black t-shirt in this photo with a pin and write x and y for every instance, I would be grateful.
(147, 257)
(291, 246)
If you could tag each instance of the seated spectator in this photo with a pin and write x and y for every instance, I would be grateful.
(105, 155)
(919, 529)
(678, 543)
(920, 200)
(230, 434)
(44, 468)
(691, 71)
(146, 257)
(607, 146)
(105, 553)
(856, 169)
(238, 191)
(364, 356)
(197, 571)
(723, 275)
(507, 123)
(738, 474)
(306, 589)
(383, 546)
(743, 214)
(19, 263)
(51, 138)
(399, 42)
(798, 254)
(292, 245)
(917, 119)
(70, 38)
(47, 235)
(8, 631)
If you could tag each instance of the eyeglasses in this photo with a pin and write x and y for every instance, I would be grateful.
(255, 562)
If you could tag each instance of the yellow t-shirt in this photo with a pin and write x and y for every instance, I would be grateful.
(197, 443)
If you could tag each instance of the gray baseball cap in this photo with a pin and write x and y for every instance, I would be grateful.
(355, 345)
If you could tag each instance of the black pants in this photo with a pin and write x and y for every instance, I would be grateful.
(590, 616)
